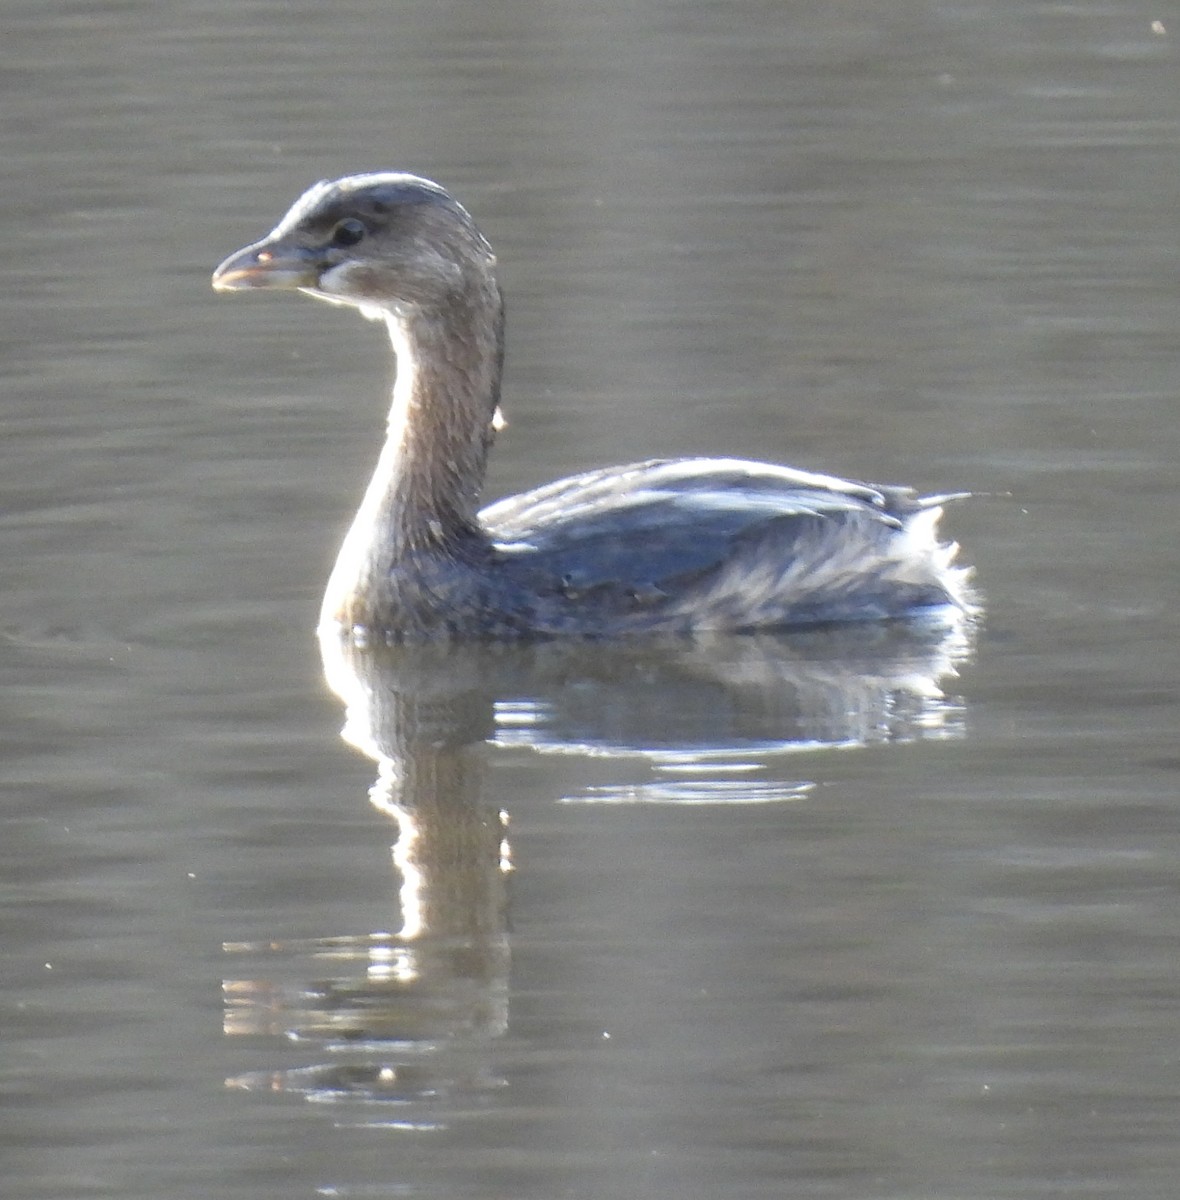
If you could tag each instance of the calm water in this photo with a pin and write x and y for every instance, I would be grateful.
(882, 915)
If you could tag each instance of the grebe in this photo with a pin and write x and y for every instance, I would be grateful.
(665, 546)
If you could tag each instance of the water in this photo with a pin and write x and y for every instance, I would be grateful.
(867, 916)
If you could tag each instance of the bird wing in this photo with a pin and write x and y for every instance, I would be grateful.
(638, 525)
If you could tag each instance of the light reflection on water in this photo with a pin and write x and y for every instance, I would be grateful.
(392, 1009)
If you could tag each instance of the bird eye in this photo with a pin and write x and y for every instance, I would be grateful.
(347, 232)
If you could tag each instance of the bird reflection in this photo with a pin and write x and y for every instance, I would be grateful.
(404, 1020)
(395, 1008)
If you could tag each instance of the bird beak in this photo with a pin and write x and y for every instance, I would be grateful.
(268, 264)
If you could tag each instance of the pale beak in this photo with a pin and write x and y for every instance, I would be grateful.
(268, 265)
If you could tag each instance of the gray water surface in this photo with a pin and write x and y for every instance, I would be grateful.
(875, 916)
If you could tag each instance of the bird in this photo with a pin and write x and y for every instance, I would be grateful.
(673, 546)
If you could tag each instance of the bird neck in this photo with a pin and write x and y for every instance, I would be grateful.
(445, 395)
(423, 497)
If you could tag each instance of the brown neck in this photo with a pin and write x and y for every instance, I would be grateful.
(440, 423)
(423, 497)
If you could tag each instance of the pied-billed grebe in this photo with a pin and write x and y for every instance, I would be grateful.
(667, 546)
